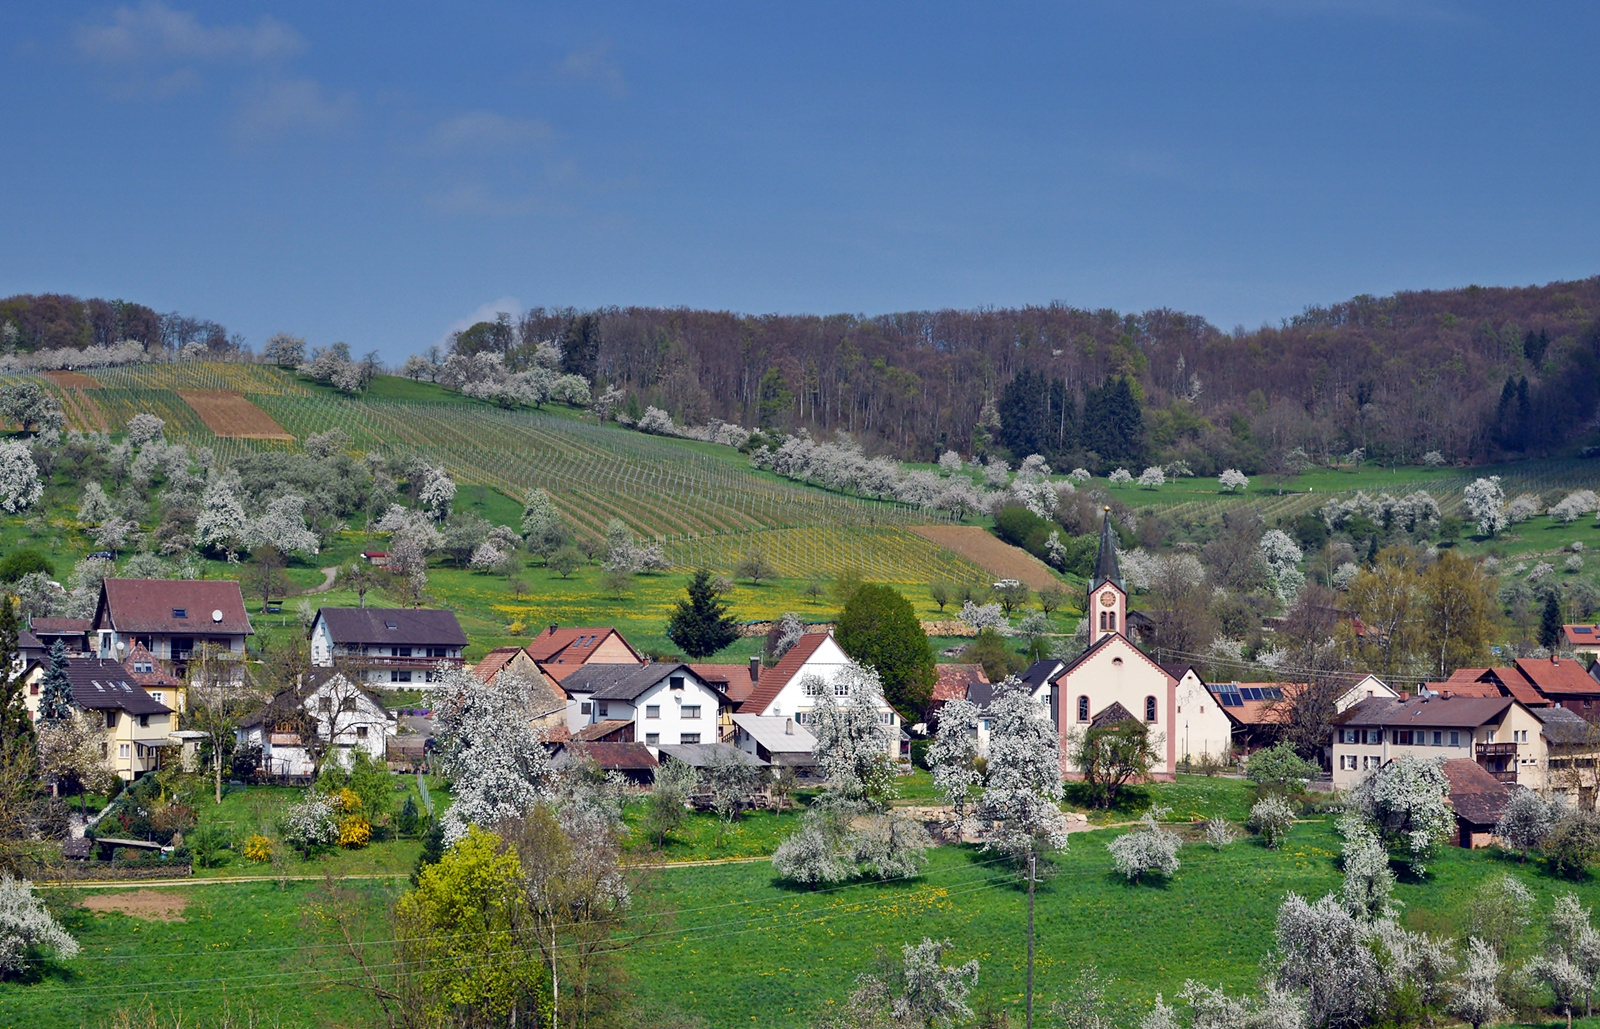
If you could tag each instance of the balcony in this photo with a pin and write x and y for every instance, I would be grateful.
(1507, 750)
(385, 661)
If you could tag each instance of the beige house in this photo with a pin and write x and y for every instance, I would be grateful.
(547, 701)
(1501, 734)
(137, 726)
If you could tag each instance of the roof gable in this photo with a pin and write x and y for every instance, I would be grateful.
(1110, 640)
(774, 679)
(417, 627)
(550, 644)
(172, 606)
(1553, 675)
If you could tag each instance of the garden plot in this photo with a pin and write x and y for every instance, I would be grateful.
(227, 413)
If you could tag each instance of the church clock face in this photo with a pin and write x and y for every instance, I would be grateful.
(1108, 599)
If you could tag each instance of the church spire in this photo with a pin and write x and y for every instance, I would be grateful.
(1106, 568)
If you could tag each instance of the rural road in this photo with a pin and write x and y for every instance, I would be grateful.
(328, 575)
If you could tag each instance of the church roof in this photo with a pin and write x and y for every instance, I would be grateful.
(1113, 714)
(1106, 568)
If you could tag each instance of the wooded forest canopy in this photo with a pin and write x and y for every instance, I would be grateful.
(1471, 373)
(56, 321)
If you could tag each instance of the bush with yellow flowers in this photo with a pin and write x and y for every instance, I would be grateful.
(257, 848)
(355, 832)
(345, 800)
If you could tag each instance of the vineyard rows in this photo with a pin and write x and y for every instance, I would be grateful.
(885, 555)
(197, 375)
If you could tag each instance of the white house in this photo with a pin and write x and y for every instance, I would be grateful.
(654, 704)
(171, 618)
(776, 741)
(781, 690)
(346, 718)
(398, 648)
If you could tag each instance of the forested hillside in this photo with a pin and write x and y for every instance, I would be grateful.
(1472, 373)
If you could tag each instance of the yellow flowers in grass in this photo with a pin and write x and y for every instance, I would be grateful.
(355, 832)
(257, 848)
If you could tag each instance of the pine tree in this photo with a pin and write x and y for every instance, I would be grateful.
(700, 624)
(15, 725)
(1550, 624)
(55, 692)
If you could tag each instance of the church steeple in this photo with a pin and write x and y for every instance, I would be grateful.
(1106, 568)
(1108, 598)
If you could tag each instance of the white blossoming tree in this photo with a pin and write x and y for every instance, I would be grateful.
(1526, 820)
(979, 617)
(953, 758)
(1152, 477)
(1405, 802)
(1485, 501)
(541, 524)
(934, 994)
(950, 462)
(437, 493)
(20, 486)
(221, 525)
(283, 525)
(1149, 848)
(1120, 477)
(1232, 480)
(144, 427)
(1020, 805)
(1476, 997)
(1282, 556)
(26, 924)
(495, 759)
(1368, 880)
(1323, 956)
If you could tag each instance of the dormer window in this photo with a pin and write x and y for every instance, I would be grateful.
(180, 612)
(392, 625)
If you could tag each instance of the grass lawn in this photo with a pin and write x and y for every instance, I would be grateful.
(755, 834)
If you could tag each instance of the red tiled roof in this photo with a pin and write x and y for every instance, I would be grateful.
(1581, 635)
(774, 679)
(493, 661)
(1470, 674)
(954, 680)
(152, 605)
(1477, 795)
(1557, 676)
(1465, 688)
(140, 654)
(622, 757)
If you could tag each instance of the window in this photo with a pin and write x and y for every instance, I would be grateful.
(400, 676)
(690, 712)
(33, 691)
(841, 689)
(361, 732)
(1083, 709)
(1455, 738)
(652, 711)
(811, 686)
(144, 721)
(1149, 709)
(675, 683)
(431, 675)
(1117, 661)
(177, 612)
(122, 750)
(1347, 762)
(402, 651)
(438, 651)
(159, 697)
(652, 739)
(605, 708)
(1438, 738)
(111, 719)
(1402, 737)
(326, 703)
(1370, 762)
(586, 708)
(348, 705)
(1374, 736)
(689, 737)
(887, 718)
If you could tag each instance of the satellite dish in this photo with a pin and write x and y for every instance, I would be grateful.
(121, 646)
(216, 616)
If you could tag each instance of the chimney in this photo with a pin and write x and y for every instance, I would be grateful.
(755, 669)
(552, 628)
(1444, 694)
(788, 726)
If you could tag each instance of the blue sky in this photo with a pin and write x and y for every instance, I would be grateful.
(377, 173)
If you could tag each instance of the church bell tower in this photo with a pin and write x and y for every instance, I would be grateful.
(1108, 598)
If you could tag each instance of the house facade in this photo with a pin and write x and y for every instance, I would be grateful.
(562, 651)
(654, 704)
(137, 726)
(345, 717)
(1204, 732)
(546, 700)
(790, 688)
(395, 648)
(1501, 734)
(171, 618)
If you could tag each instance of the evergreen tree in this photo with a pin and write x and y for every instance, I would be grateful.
(55, 693)
(15, 725)
(1021, 404)
(580, 346)
(878, 628)
(1550, 623)
(1534, 345)
(700, 624)
(1113, 424)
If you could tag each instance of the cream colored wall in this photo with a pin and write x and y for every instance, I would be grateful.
(1119, 673)
(1518, 726)
(611, 651)
(1200, 727)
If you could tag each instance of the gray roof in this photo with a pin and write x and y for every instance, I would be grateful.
(1431, 712)
(623, 682)
(774, 733)
(1564, 728)
(700, 755)
(1106, 568)
(415, 627)
(105, 685)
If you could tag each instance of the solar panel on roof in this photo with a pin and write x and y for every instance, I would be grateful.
(1584, 629)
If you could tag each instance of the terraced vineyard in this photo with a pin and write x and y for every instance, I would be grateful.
(884, 555)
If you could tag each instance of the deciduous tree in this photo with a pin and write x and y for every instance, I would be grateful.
(878, 628)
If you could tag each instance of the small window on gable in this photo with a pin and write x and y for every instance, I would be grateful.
(1116, 661)
(1083, 709)
(180, 612)
(1149, 709)
(675, 683)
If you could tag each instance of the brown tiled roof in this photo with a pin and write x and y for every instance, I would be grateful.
(1465, 688)
(1557, 676)
(549, 644)
(157, 676)
(1477, 795)
(1562, 728)
(385, 626)
(104, 685)
(493, 661)
(621, 757)
(1434, 713)
(733, 680)
(60, 626)
(1112, 714)
(600, 730)
(1470, 674)
(954, 679)
(172, 606)
(774, 679)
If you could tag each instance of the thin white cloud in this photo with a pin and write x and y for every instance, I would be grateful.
(479, 130)
(484, 313)
(153, 32)
(594, 64)
(293, 105)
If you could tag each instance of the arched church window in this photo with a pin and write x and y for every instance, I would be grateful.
(1149, 709)
(1083, 709)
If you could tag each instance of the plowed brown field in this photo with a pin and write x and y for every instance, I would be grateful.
(227, 413)
(73, 380)
(983, 549)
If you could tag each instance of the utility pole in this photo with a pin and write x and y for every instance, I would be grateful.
(1031, 877)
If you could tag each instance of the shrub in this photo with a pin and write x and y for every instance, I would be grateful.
(1151, 848)
(1220, 832)
(22, 562)
(1271, 819)
(309, 826)
(257, 848)
(1279, 769)
(355, 832)
(1572, 844)
(407, 821)
(209, 844)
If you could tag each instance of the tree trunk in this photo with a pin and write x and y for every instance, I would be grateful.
(216, 764)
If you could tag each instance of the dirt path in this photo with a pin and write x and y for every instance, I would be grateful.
(328, 575)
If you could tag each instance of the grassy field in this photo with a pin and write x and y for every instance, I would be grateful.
(744, 949)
